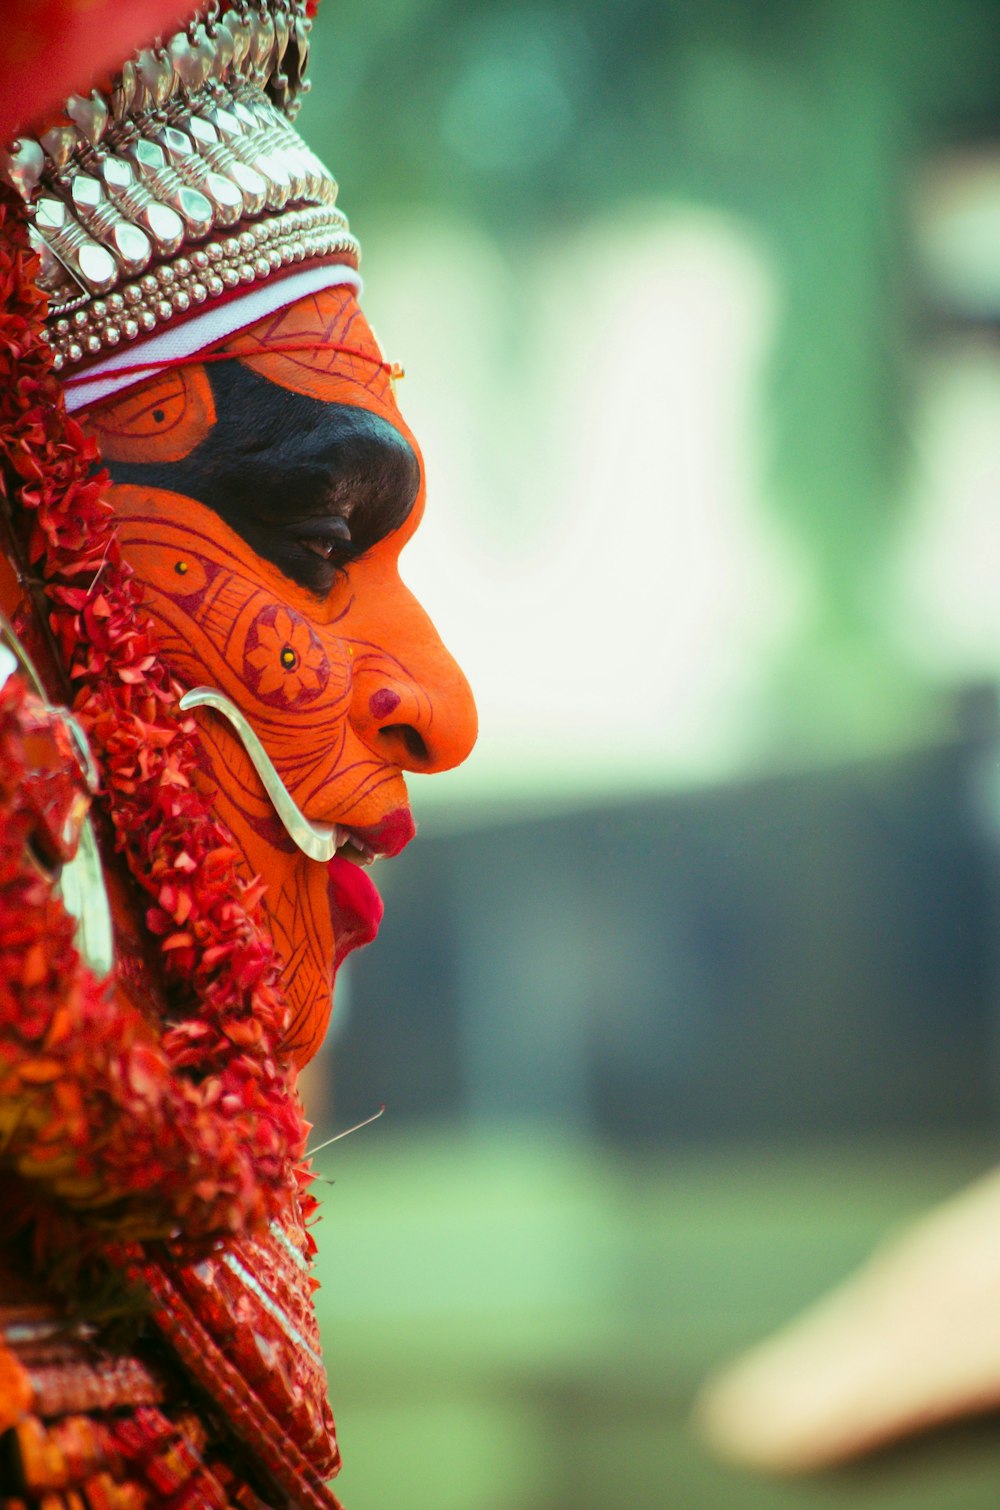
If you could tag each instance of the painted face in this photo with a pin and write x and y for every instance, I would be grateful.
(264, 501)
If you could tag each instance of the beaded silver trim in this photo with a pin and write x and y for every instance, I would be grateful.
(184, 181)
(281, 1237)
(149, 302)
(289, 1328)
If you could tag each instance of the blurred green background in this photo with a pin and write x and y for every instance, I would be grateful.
(689, 990)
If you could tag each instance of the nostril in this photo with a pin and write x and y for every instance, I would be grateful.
(407, 734)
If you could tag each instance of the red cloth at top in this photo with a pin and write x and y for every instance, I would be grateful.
(52, 48)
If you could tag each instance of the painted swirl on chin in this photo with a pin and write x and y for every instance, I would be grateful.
(263, 502)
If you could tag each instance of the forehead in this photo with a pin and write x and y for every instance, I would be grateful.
(321, 346)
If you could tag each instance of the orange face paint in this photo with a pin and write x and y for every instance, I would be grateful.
(331, 319)
(162, 420)
(346, 690)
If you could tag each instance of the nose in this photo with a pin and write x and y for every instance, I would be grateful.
(411, 703)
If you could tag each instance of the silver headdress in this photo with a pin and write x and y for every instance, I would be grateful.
(181, 183)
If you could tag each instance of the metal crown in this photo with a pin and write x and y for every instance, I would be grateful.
(183, 181)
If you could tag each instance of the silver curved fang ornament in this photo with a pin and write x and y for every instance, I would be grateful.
(317, 840)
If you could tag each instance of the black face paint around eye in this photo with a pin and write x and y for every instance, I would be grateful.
(308, 485)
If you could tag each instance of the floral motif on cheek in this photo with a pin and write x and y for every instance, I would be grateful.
(284, 663)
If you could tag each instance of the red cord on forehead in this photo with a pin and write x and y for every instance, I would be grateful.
(392, 369)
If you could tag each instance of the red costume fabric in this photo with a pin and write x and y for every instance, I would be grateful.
(52, 46)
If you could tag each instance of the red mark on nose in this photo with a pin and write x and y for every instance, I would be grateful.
(383, 702)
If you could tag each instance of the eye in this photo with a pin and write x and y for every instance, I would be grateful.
(324, 549)
(329, 539)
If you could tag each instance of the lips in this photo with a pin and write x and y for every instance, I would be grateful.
(391, 834)
(355, 904)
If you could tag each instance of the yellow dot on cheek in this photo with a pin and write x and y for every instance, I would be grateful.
(180, 568)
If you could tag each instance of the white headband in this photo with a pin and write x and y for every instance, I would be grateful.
(204, 330)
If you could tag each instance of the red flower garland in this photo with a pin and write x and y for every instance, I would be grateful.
(199, 1131)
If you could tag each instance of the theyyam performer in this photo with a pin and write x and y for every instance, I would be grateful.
(212, 681)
